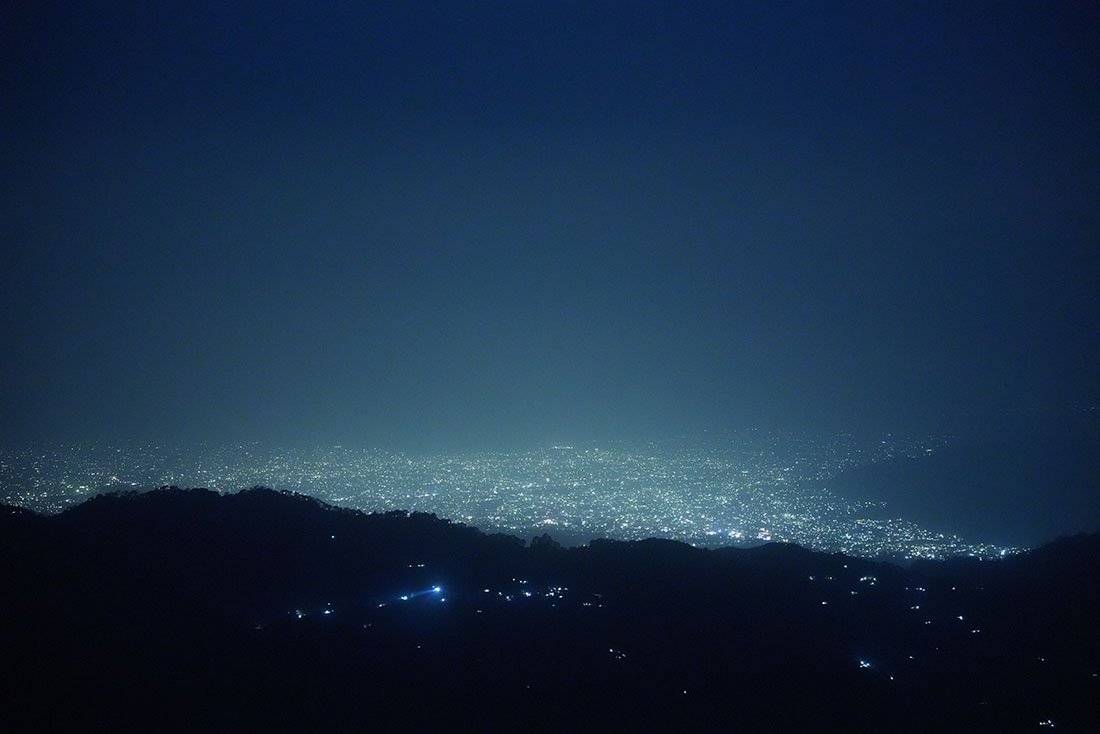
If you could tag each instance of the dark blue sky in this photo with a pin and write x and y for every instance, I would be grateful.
(449, 224)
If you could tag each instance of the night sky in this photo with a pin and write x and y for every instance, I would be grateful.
(439, 225)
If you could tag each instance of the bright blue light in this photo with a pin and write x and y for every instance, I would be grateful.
(414, 594)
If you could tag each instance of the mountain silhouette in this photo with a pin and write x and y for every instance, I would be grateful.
(188, 610)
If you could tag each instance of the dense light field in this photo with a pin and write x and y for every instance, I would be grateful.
(757, 487)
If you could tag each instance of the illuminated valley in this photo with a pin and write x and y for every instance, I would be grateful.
(757, 487)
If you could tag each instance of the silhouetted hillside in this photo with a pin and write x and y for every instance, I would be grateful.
(187, 610)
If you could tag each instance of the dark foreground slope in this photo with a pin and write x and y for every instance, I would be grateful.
(191, 611)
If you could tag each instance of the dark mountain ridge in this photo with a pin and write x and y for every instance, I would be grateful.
(189, 610)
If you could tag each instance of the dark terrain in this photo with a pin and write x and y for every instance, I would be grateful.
(192, 611)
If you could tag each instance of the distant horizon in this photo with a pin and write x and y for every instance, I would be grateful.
(448, 228)
(999, 426)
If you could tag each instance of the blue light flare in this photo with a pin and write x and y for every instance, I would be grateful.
(415, 594)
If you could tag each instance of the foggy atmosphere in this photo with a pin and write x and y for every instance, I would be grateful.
(598, 296)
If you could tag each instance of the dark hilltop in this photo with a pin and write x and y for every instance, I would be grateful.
(186, 610)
